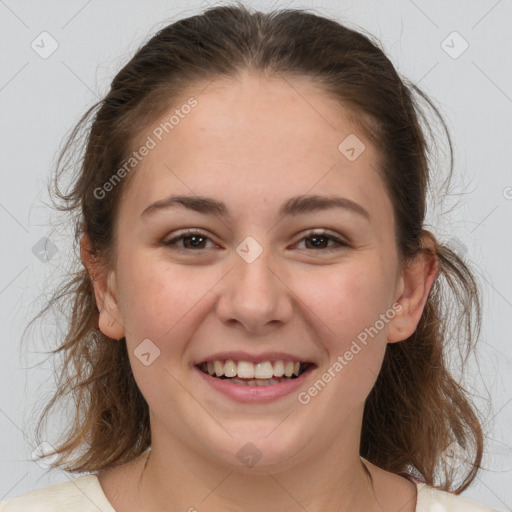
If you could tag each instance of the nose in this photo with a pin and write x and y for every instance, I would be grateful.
(254, 295)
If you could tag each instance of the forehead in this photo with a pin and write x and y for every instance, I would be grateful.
(254, 138)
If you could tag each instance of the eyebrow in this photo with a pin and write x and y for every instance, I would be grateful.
(298, 205)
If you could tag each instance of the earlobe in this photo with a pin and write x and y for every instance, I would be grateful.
(110, 321)
(414, 285)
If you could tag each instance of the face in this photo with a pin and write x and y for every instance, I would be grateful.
(262, 278)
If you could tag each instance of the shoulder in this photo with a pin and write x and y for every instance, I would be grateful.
(431, 499)
(81, 494)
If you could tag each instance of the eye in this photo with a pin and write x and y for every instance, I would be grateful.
(194, 239)
(320, 237)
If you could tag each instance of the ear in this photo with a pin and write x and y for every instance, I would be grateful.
(110, 321)
(412, 290)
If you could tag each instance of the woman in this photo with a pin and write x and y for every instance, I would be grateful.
(258, 321)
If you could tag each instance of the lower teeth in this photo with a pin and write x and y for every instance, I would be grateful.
(256, 382)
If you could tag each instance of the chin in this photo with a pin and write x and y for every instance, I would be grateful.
(261, 449)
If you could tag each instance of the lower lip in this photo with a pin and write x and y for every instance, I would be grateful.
(259, 394)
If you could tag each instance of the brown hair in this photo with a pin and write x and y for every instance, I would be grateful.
(416, 408)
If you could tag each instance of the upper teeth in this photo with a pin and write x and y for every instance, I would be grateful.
(248, 370)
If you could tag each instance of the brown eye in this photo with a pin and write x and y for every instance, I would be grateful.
(191, 240)
(320, 241)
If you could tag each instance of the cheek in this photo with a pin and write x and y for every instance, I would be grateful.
(359, 313)
(153, 296)
(351, 325)
(163, 301)
(345, 301)
(158, 303)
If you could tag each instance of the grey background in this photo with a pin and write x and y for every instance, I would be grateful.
(42, 98)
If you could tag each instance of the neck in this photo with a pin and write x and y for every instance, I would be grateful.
(173, 477)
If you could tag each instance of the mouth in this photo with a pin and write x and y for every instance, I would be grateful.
(247, 373)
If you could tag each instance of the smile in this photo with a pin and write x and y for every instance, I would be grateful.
(246, 373)
(262, 381)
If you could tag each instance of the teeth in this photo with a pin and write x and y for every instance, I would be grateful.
(219, 368)
(278, 369)
(255, 382)
(245, 370)
(229, 368)
(264, 371)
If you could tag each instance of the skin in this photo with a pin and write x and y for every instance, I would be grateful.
(254, 142)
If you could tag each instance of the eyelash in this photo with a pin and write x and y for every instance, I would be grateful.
(319, 234)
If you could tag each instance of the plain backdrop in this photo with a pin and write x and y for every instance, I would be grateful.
(59, 57)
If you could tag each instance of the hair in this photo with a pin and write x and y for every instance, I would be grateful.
(416, 408)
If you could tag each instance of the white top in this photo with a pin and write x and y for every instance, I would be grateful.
(85, 494)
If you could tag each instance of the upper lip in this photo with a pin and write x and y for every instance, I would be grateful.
(253, 358)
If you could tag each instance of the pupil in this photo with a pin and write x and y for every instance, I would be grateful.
(316, 244)
(194, 239)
